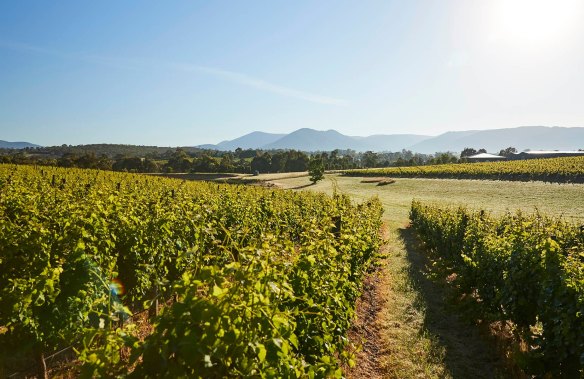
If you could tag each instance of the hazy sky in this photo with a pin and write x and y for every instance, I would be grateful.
(173, 73)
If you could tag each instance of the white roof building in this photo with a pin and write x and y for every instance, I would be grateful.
(486, 156)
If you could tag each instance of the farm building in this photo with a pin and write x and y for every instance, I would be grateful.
(535, 154)
(485, 157)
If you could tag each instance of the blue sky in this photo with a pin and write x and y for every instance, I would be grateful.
(193, 72)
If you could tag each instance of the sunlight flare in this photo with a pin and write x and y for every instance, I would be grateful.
(535, 23)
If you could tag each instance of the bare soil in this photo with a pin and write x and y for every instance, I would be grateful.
(365, 331)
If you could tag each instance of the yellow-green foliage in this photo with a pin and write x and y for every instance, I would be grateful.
(264, 281)
(561, 170)
(527, 269)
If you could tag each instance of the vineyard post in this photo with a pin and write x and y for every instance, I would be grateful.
(156, 300)
(42, 365)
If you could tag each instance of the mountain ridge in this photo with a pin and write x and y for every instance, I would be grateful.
(250, 140)
(493, 140)
(522, 138)
(16, 145)
(307, 139)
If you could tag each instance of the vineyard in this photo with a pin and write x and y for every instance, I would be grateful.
(554, 170)
(526, 271)
(238, 281)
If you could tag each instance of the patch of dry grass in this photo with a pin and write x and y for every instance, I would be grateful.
(379, 181)
(278, 176)
(496, 196)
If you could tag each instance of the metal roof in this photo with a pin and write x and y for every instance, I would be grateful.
(485, 156)
(535, 152)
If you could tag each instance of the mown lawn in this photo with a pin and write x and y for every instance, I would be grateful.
(566, 200)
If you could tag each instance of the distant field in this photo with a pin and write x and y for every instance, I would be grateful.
(197, 175)
(278, 176)
(566, 200)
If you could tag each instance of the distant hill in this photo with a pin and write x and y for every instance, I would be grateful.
(249, 141)
(16, 145)
(522, 138)
(392, 142)
(306, 139)
(313, 140)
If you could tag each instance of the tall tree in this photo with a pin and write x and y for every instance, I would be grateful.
(508, 151)
(262, 163)
(316, 170)
(370, 159)
(467, 152)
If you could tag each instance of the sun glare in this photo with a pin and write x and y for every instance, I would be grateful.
(535, 23)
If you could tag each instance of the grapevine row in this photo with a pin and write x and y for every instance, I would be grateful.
(256, 282)
(525, 269)
(554, 170)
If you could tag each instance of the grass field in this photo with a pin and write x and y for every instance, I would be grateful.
(420, 331)
(565, 200)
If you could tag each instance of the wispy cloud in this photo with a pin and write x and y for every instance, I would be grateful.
(135, 64)
(260, 84)
(28, 48)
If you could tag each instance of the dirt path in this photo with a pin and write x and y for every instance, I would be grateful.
(407, 326)
(366, 330)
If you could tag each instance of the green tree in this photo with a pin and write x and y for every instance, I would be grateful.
(261, 163)
(467, 152)
(370, 159)
(179, 161)
(316, 170)
(205, 163)
(226, 164)
(508, 151)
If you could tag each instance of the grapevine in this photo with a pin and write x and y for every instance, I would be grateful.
(553, 170)
(525, 269)
(255, 282)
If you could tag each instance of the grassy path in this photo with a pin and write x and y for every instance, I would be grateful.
(407, 327)
(390, 323)
(408, 323)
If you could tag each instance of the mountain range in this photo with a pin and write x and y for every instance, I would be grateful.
(252, 140)
(306, 139)
(493, 140)
(16, 145)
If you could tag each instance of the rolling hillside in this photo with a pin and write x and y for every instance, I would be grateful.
(316, 140)
(16, 145)
(522, 138)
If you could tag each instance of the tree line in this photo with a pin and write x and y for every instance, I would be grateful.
(469, 151)
(150, 159)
